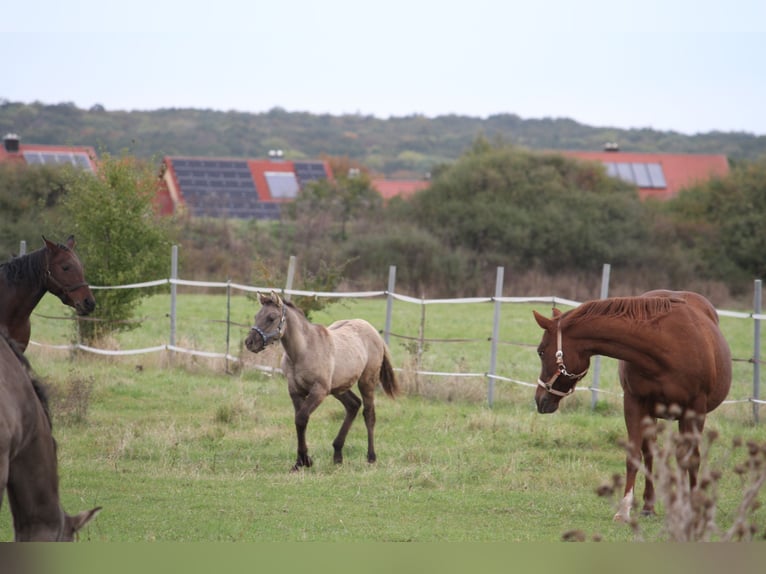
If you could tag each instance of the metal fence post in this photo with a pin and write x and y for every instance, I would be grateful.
(605, 272)
(23, 247)
(495, 337)
(757, 349)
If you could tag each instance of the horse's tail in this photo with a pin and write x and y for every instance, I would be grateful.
(387, 376)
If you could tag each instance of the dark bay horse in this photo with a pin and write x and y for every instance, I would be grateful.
(673, 363)
(54, 268)
(28, 464)
(321, 361)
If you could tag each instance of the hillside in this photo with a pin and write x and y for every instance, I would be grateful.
(397, 147)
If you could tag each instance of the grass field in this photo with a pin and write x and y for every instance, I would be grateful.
(177, 449)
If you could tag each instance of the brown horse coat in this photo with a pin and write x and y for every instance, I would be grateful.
(28, 464)
(671, 354)
(54, 268)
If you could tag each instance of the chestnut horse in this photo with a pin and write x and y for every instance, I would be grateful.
(321, 361)
(28, 465)
(673, 362)
(54, 268)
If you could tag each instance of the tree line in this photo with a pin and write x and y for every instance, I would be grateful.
(408, 147)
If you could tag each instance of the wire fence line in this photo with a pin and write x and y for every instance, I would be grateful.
(490, 375)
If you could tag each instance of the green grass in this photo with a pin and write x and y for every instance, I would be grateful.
(176, 449)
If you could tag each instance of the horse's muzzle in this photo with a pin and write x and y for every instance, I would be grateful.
(546, 403)
(86, 306)
(254, 342)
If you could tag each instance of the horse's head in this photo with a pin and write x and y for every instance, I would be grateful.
(65, 277)
(556, 380)
(61, 529)
(269, 323)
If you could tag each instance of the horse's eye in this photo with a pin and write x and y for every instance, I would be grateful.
(540, 354)
(65, 267)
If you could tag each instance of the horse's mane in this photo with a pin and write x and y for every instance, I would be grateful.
(635, 308)
(37, 385)
(29, 267)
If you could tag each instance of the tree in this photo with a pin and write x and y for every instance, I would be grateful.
(120, 238)
(25, 193)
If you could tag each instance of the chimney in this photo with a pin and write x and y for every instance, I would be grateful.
(11, 143)
(611, 146)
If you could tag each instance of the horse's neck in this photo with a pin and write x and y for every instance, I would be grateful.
(613, 337)
(33, 491)
(298, 334)
(20, 294)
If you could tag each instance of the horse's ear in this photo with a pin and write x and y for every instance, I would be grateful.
(70, 242)
(48, 244)
(263, 298)
(276, 298)
(79, 521)
(542, 320)
(556, 312)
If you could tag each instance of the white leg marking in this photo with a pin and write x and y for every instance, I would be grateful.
(623, 511)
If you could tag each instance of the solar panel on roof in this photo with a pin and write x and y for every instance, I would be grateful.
(656, 175)
(282, 185)
(77, 159)
(641, 174)
(309, 171)
(646, 175)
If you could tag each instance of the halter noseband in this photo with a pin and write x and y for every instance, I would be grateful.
(273, 336)
(561, 371)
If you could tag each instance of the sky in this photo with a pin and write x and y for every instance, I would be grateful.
(689, 66)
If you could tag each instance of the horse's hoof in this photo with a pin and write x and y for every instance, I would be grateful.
(371, 458)
(648, 512)
(621, 518)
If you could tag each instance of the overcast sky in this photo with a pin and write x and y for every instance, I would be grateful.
(691, 66)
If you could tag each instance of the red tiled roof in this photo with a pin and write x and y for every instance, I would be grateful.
(680, 170)
(389, 188)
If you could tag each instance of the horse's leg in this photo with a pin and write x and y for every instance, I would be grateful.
(633, 415)
(304, 405)
(647, 450)
(691, 425)
(352, 403)
(367, 389)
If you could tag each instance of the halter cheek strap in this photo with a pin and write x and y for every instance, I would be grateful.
(560, 371)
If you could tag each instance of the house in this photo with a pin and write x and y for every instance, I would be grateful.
(389, 188)
(656, 175)
(39, 154)
(234, 188)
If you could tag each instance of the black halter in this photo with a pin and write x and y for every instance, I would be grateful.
(273, 336)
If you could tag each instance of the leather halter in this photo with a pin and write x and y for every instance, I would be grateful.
(49, 278)
(272, 336)
(561, 371)
(58, 285)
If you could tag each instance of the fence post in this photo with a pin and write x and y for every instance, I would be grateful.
(173, 276)
(389, 302)
(757, 349)
(495, 336)
(605, 272)
(23, 247)
(290, 277)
